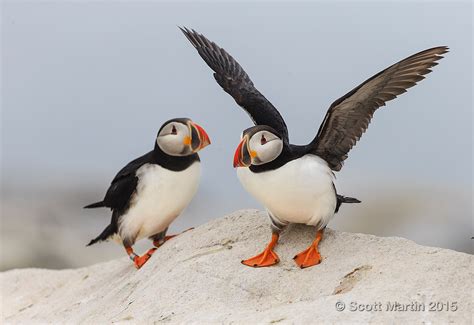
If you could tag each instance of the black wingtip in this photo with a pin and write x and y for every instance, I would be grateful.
(189, 35)
(347, 199)
(186, 31)
(92, 242)
(440, 51)
(446, 48)
(94, 205)
(182, 29)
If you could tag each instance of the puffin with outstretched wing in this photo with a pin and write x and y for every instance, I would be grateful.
(295, 183)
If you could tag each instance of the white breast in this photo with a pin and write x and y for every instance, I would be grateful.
(301, 191)
(160, 197)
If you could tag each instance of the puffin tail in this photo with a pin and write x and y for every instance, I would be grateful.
(345, 199)
(104, 235)
(95, 205)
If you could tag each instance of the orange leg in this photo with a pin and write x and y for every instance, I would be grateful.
(267, 258)
(158, 243)
(310, 256)
(139, 261)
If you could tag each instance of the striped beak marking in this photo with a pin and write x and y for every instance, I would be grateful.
(198, 139)
(243, 155)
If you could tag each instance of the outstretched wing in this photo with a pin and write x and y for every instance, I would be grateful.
(349, 116)
(235, 81)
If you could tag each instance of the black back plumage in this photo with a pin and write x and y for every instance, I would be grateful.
(347, 118)
(124, 184)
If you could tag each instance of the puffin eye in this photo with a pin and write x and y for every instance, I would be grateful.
(173, 130)
(263, 140)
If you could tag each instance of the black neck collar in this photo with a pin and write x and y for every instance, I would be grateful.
(174, 163)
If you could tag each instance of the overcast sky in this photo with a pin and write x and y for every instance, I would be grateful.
(86, 86)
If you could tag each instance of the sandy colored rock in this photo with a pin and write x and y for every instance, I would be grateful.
(197, 277)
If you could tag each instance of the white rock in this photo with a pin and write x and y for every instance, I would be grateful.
(197, 277)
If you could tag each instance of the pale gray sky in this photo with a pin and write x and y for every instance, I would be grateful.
(86, 85)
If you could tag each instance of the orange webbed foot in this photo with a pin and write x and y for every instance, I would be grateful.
(266, 258)
(139, 261)
(308, 257)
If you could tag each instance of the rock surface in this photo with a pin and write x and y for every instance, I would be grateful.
(197, 277)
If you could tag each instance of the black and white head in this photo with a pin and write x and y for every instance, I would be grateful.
(259, 145)
(181, 137)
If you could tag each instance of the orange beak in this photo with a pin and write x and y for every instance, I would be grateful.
(242, 156)
(199, 138)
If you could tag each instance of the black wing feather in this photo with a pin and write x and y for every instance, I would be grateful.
(349, 116)
(235, 81)
(123, 185)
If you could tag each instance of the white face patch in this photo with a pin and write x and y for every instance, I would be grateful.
(267, 147)
(171, 139)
